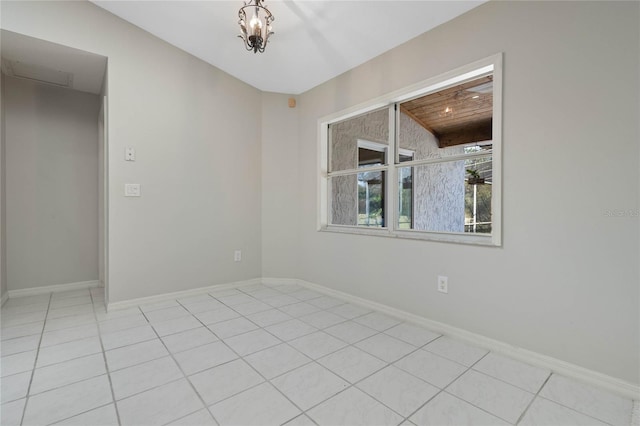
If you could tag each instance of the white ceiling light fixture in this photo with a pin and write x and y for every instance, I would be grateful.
(257, 34)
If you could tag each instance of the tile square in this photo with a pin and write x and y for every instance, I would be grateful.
(119, 313)
(279, 301)
(260, 405)
(70, 311)
(58, 375)
(317, 344)
(253, 341)
(322, 319)
(117, 324)
(377, 321)
(192, 300)
(11, 412)
(166, 314)
(267, 318)
(212, 317)
(413, 334)
(517, 373)
(309, 385)
(276, 360)
(51, 338)
(326, 302)
(299, 309)
(199, 418)
(225, 380)
(251, 308)
(398, 390)
(301, 420)
(159, 405)
(128, 337)
(352, 363)
(32, 329)
(350, 331)
(498, 398)
(70, 301)
(305, 294)
(204, 357)
(456, 350)
(68, 322)
(103, 416)
(22, 331)
(19, 344)
(17, 363)
(291, 329)
(22, 318)
(385, 347)
(70, 294)
(137, 353)
(431, 368)
(176, 325)
(232, 327)
(265, 293)
(287, 288)
(545, 412)
(354, 408)
(15, 386)
(236, 299)
(7, 310)
(189, 339)
(447, 410)
(132, 380)
(68, 401)
(67, 351)
(588, 400)
(204, 306)
(150, 307)
(27, 300)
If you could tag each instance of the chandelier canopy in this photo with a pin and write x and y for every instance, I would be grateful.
(256, 34)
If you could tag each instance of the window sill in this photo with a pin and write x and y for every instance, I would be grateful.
(444, 237)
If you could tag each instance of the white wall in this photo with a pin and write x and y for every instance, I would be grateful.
(279, 186)
(565, 282)
(51, 184)
(198, 158)
(3, 226)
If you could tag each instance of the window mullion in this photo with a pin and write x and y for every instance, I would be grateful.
(392, 186)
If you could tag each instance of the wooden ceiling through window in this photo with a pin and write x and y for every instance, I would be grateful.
(456, 115)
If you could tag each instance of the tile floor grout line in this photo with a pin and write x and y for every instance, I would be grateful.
(533, 399)
(35, 362)
(184, 374)
(106, 365)
(253, 368)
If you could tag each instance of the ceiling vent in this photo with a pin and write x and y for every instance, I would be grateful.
(37, 73)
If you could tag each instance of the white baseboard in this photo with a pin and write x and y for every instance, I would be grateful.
(618, 386)
(130, 303)
(5, 297)
(56, 288)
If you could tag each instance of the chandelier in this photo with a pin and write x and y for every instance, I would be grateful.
(256, 34)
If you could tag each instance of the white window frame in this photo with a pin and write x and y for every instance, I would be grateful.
(490, 65)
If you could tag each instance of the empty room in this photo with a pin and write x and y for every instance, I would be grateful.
(305, 212)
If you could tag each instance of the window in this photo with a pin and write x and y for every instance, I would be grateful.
(420, 163)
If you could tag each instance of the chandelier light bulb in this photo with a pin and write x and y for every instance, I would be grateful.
(253, 36)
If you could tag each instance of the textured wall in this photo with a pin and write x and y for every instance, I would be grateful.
(439, 188)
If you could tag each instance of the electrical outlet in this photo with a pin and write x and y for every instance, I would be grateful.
(237, 256)
(443, 284)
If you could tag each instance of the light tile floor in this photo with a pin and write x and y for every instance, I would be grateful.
(265, 355)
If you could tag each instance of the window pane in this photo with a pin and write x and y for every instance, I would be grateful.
(452, 196)
(443, 123)
(358, 199)
(371, 130)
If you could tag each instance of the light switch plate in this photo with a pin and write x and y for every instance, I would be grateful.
(131, 189)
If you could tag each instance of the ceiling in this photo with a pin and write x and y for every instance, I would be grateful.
(314, 40)
(456, 115)
(51, 63)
